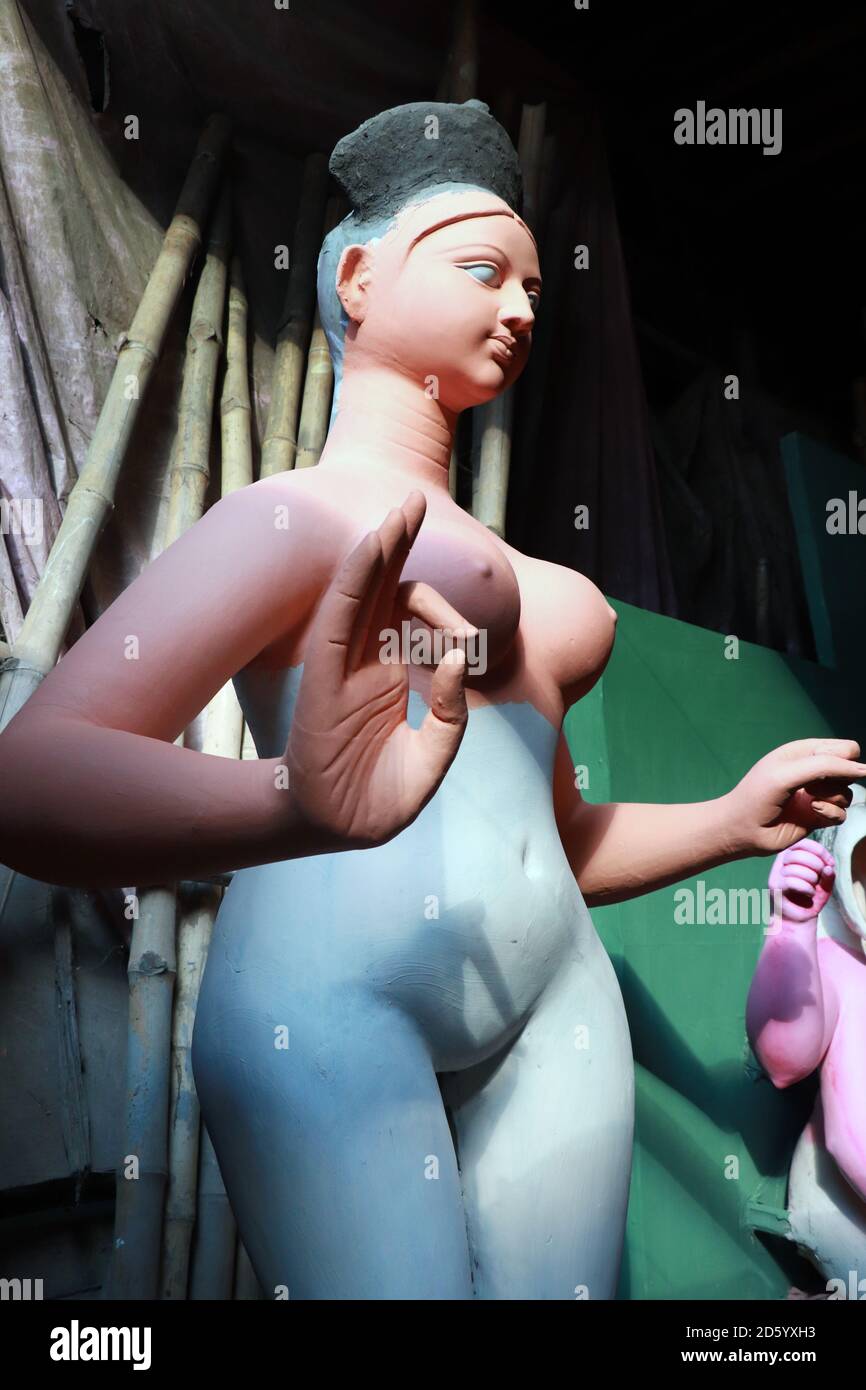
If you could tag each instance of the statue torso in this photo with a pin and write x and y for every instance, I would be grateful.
(465, 917)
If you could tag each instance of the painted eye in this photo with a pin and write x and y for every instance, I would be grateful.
(485, 274)
(534, 300)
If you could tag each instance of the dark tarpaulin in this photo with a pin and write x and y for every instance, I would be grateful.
(724, 496)
(582, 426)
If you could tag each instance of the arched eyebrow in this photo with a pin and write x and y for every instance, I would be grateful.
(464, 216)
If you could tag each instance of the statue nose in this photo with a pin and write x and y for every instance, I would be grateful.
(517, 317)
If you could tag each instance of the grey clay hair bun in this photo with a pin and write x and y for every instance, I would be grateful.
(386, 160)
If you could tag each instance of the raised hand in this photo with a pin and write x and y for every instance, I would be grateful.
(358, 772)
(801, 880)
(799, 787)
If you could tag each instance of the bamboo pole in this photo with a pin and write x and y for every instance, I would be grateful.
(195, 924)
(452, 471)
(459, 80)
(237, 472)
(464, 63)
(141, 1182)
(530, 150)
(319, 381)
(157, 935)
(224, 725)
(493, 421)
(235, 418)
(222, 738)
(213, 1264)
(280, 442)
(190, 467)
(491, 462)
(316, 408)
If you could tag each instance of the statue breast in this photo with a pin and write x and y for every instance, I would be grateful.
(475, 577)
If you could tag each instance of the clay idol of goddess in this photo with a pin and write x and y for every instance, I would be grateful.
(411, 911)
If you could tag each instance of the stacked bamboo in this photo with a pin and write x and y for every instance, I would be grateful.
(316, 405)
(492, 423)
(222, 738)
(235, 428)
(152, 970)
(197, 1200)
(213, 1266)
(195, 923)
(319, 379)
(280, 443)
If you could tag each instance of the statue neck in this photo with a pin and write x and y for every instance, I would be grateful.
(387, 423)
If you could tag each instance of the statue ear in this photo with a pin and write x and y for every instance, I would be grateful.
(354, 276)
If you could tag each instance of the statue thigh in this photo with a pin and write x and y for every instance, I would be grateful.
(335, 1149)
(544, 1140)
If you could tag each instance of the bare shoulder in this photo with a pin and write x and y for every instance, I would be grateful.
(568, 618)
(248, 573)
(305, 505)
(297, 529)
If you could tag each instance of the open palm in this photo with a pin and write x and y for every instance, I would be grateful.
(357, 770)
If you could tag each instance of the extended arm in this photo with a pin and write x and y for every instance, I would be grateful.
(97, 794)
(95, 791)
(618, 850)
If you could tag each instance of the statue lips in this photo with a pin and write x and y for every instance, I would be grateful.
(504, 347)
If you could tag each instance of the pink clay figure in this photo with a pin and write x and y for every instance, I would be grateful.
(806, 1011)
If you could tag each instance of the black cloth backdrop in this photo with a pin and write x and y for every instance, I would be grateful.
(582, 433)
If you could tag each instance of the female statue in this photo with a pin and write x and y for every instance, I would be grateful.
(412, 1057)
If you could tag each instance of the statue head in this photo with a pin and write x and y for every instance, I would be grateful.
(433, 272)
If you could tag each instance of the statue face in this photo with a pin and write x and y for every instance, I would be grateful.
(447, 297)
